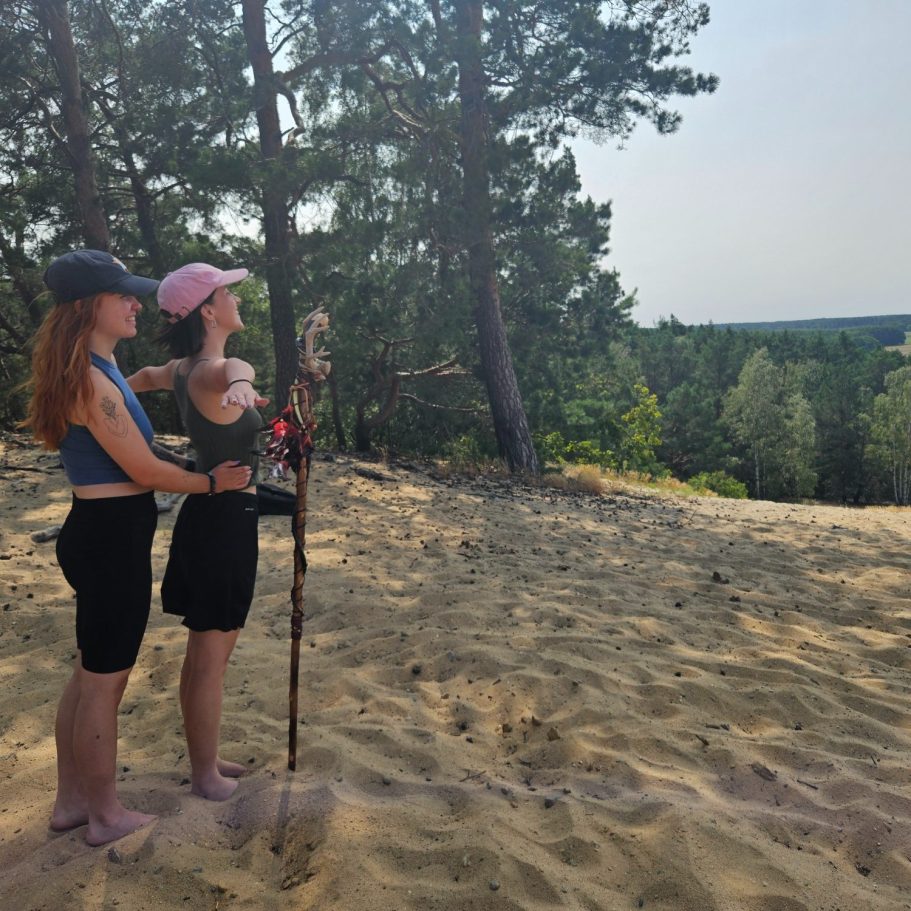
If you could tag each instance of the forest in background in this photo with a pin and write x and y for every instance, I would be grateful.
(407, 165)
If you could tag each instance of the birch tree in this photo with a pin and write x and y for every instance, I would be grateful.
(891, 433)
(769, 415)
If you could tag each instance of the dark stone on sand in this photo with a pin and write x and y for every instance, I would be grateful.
(549, 802)
(763, 771)
(114, 856)
(494, 885)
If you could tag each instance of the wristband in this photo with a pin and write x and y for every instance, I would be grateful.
(241, 380)
(211, 478)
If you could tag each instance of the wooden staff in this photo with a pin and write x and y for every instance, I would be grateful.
(291, 446)
(299, 533)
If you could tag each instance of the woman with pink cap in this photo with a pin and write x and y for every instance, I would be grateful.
(211, 569)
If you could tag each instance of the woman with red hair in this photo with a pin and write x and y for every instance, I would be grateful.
(82, 406)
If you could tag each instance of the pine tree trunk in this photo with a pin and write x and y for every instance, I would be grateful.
(56, 19)
(274, 199)
(507, 409)
(145, 215)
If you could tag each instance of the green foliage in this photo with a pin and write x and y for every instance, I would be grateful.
(641, 433)
(554, 449)
(719, 482)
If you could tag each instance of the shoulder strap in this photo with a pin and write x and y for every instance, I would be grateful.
(186, 375)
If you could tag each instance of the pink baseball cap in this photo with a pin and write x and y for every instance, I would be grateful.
(181, 292)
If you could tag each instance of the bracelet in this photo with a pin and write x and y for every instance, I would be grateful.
(241, 380)
(211, 478)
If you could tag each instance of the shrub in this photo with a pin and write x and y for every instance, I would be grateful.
(719, 482)
(554, 449)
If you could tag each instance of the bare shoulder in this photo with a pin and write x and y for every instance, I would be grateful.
(102, 384)
(210, 371)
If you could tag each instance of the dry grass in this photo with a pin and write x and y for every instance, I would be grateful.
(595, 480)
(579, 479)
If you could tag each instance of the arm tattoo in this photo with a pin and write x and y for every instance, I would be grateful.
(114, 422)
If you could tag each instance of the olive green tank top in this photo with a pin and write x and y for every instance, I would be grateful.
(216, 443)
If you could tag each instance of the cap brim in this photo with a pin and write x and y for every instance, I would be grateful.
(233, 275)
(135, 285)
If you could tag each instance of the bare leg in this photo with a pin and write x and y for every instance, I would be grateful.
(71, 809)
(225, 767)
(201, 682)
(95, 750)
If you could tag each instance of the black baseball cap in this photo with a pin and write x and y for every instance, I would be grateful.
(83, 273)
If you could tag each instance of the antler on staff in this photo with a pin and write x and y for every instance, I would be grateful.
(290, 441)
(311, 361)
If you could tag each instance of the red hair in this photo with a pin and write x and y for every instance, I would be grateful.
(60, 370)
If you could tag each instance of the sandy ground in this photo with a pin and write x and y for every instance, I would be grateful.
(510, 699)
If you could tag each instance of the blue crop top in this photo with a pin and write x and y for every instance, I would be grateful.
(83, 458)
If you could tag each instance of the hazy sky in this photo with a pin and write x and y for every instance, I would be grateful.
(786, 194)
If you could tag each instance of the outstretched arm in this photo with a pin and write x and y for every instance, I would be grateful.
(151, 379)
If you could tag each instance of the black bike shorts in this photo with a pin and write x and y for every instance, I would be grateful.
(105, 552)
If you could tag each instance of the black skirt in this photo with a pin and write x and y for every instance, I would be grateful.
(211, 572)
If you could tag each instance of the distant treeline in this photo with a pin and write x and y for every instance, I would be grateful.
(882, 330)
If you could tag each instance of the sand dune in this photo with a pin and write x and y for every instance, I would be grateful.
(510, 699)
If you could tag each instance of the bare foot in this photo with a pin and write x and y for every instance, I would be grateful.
(128, 821)
(214, 787)
(229, 769)
(68, 816)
